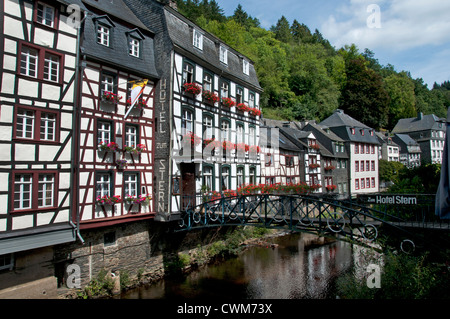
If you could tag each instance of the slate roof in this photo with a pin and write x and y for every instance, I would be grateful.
(404, 141)
(117, 55)
(419, 123)
(180, 31)
(342, 124)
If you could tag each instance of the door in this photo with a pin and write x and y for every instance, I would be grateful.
(187, 185)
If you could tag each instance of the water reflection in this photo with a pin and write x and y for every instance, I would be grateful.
(292, 270)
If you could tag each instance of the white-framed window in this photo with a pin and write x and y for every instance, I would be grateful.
(240, 133)
(226, 177)
(103, 34)
(45, 14)
(131, 135)
(45, 190)
(103, 184)
(198, 39)
(104, 130)
(246, 67)
(6, 261)
(207, 82)
(48, 126)
(36, 125)
(240, 177)
(208, 177)
(133, 47)
(187, 122)
(251, 100)
(252, 135)
(224, 89)
(239, 95)
(223, 55)
(225, 130)
(27, 183)
(188, 73)
(107, 83)
(23, 186)
(131, 184)
(51, 67)
(25, 124)
(29, 62)
(207, 127)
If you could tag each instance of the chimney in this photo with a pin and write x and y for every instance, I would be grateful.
(172, 4)
(420, 116)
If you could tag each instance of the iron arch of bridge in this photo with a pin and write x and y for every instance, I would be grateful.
(299, 213)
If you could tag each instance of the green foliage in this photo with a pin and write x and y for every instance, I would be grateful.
(102, 285)
(390, 171)
(402, 277)
(304, 77)
(420, 180)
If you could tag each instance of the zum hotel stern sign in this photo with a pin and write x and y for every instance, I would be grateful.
(391, 199)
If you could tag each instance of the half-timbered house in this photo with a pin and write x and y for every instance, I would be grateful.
(207, 105)
(38, 45)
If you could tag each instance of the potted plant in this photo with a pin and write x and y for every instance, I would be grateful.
(331, 188)
(108, 200)
(140, 104)
(192, 88)
(243, 107)
(228, 102)
(255, 112)
(121, 163)
(110, 97)
(192, 139)
(108, 146)
(135, 150)
(210, 97)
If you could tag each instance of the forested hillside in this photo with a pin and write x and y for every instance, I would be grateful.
(305, 77)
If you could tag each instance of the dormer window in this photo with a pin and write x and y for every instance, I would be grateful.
(223, 55)
(362, 132)
(103, 35)
(352, 130)
(198, 40)
(45, 14)
(133, 47)
(104, 30)
(246, 67)
(135, 38)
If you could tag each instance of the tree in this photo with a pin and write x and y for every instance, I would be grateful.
(364, 96)
(400, 88)
(282, 30)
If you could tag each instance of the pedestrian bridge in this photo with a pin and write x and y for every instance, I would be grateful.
(324, 216)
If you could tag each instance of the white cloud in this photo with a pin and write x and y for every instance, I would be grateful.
(405, 24)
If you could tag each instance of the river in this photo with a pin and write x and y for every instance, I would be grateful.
(294, 267)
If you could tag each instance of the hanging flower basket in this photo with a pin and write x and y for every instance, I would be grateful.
(121, 163)
(108, 200)
(210, 97)
(140, 104)
(110, 97)
(226, 145)
(108, 147)
(228, 102)
(192, 88)
(141, 199)
(243, 107)
(242, 147)
(135, 150)
(255, 149)
(192, 139)
(255, 112)
(314, 165)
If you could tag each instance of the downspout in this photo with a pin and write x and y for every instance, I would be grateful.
(75, 139)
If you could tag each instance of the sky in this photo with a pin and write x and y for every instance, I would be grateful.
(411, 35)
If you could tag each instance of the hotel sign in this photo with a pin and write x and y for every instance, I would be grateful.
(389, 199)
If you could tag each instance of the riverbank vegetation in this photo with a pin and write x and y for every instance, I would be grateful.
(402, 276)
